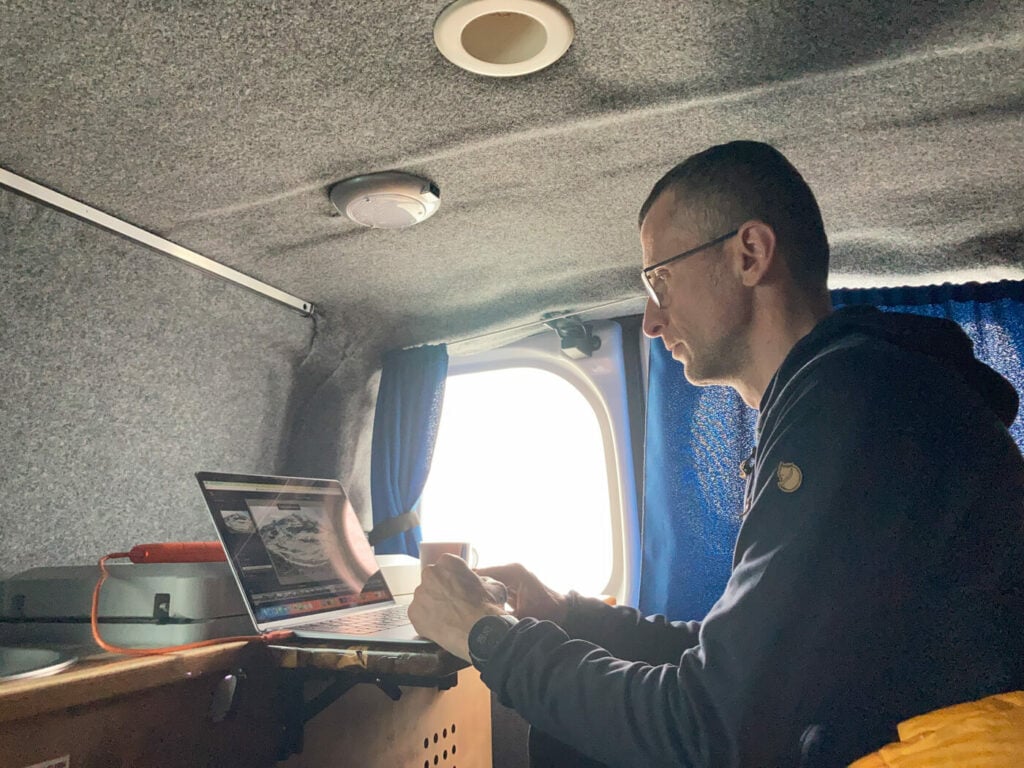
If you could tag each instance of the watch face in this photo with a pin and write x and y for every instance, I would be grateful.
(485, 636)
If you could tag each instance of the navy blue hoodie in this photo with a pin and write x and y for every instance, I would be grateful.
(878, 573)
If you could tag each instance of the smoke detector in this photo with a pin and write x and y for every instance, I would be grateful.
(503, 38)
(389, 200)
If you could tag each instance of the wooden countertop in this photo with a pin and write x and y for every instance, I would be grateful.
(99, 676)
(106, 675)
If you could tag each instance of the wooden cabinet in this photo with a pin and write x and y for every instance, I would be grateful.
(425, 728)
(245, 705)
(164, 712)
(441, 721)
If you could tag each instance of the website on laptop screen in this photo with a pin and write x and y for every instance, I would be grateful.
(296, 545)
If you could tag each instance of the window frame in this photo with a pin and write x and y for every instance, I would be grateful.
(600, 379)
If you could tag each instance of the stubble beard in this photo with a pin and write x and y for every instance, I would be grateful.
(719, 362)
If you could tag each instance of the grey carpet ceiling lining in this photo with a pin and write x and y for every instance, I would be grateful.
(221, 128)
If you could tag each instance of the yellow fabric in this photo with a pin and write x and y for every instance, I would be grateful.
(988, 733)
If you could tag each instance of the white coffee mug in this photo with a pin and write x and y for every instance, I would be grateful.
(431, 551)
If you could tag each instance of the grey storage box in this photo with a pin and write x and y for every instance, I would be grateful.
(141, 605)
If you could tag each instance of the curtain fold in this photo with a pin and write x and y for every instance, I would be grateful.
(697, 438)
(405, 426)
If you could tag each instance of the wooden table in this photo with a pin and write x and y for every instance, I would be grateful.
(312, 702)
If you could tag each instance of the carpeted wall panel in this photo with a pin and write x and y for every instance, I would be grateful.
(123, 372)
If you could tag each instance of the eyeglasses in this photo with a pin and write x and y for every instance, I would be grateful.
(654, 283)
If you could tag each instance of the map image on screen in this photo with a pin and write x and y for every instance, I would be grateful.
(238, 522)
(295, 545)
(296, 536)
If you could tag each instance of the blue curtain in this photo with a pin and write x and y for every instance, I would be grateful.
(404, 430)
(697, 437)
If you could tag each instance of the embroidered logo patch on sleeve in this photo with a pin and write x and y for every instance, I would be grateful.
(789, 477)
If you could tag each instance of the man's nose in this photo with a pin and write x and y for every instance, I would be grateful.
(653, 324)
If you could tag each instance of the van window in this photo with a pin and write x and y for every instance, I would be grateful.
(519, 470)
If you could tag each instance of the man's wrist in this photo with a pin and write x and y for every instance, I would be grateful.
(485, 636)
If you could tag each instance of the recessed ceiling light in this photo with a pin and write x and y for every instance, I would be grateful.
(503, 38)
(389, 200)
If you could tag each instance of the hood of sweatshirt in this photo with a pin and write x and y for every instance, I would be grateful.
(938, 338)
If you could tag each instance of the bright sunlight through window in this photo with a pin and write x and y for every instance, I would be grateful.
(519, 471)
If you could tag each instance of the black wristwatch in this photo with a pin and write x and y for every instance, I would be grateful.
(485, 636)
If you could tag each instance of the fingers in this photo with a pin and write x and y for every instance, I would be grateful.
(451, 576)
(511, 575)
(448, 568)
(496, 589)
(450, 562)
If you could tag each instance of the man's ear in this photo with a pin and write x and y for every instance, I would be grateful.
(757, 252)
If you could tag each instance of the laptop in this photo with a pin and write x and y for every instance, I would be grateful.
(302, 560)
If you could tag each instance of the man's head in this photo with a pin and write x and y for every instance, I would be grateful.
(707, 302)
(718, 189)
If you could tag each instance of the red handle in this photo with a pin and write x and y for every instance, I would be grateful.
(178, 552)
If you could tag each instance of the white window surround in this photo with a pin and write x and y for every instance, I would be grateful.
(601, 380)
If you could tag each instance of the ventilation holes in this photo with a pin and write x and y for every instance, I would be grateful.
(445, 748)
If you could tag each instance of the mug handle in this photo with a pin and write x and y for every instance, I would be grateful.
(474, 556)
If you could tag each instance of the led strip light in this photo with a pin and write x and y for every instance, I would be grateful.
(87, 213)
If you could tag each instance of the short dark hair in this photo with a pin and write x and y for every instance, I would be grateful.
(728, 184)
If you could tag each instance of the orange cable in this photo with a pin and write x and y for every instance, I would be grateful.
(269, 637)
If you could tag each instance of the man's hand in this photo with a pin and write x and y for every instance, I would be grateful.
(448, 602)
(527, 595)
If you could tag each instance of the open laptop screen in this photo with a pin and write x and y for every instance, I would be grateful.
(295, 544)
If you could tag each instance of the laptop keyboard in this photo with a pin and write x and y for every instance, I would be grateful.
(364, 623)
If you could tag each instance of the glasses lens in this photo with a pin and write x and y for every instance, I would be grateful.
(654, 284)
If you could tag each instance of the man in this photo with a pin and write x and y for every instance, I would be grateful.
(878, 571)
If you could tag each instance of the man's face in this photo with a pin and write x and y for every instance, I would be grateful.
(703, 312)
